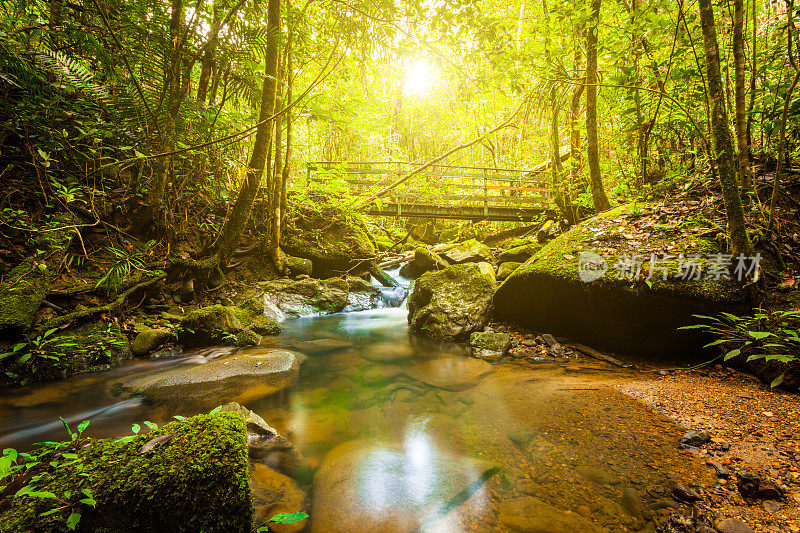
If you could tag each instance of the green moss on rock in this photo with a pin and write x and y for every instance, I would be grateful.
(330, 236)
(150, 340)
(26, 285)
(636, 316)
(451, 303)
(197, 481)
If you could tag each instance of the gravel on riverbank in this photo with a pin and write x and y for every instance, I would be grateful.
(752, 428)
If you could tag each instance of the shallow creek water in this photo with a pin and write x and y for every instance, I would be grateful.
(429, 426)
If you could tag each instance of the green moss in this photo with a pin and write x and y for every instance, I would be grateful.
(198, 482)
(607, 235)
(265, 326)
(27, 284)
(330, 236)
(214, 324)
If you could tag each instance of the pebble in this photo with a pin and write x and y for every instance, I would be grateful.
(732, 525)
(684, 494)
(745, 396)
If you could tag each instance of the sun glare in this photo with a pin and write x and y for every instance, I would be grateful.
(419, 78)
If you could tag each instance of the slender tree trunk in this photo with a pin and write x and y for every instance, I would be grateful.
(575, 130)
(753, 69)
(787, 99)
(164, 169)
(741, 113)
(240, 214)
(723, 142)
(599, 197)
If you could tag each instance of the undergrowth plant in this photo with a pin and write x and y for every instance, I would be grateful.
(768, 335)
(32, 470)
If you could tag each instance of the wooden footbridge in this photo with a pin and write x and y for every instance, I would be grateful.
(441, 191)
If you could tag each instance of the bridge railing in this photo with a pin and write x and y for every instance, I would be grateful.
(445, 186)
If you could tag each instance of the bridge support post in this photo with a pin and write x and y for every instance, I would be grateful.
(485, 196)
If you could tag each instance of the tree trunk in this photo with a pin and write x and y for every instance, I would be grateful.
(787, 99)
(240, 214)
(575, 131)
(164, 170)
(741, 114)
(723, 143)
(599, 197)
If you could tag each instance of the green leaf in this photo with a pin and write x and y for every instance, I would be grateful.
(714, 343)
(88, 501)
(288, 518)
(136, 428)
(215, 410)
(11, 453)
(151, 425)
(758, 335)
(732, 354)
(83, 425)
(777, 381)
(72, 520)
(695, 326)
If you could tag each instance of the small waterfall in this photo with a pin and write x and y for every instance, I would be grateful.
(394, 296)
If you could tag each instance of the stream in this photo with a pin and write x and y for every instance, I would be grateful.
(426, 437)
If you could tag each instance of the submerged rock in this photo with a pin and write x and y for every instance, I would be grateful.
(309, 297)
(450, 373)
(451, 303)
(470, 251)
(368, 487)
(275, 493)
(613, 313)
(530, 515)
(196, 481)
(267, 447)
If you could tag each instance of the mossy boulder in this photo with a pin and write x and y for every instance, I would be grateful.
(332, 237)
(150, 340)
(220, 324)
(505, 269)
(470, 251)
(299, 265)
(489, 345)
(26, 285)
(424, 260)
(519, 254)
(309, 297)
(195, 481)
(451, 303)
(620, 311)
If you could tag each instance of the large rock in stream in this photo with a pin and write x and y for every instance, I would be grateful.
(368, 487)
(332, 237)
(471, 251)
(194, 479)
(452, 303)
(629, 316)
(245, 376)
(310, 297)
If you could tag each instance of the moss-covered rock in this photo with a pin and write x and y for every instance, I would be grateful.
(196, 481)
(308, 297)
(332, 237)
(26, 285)
(220, 324)
(488, 345)
(519, 254)
(625, 314)
(451, 303)
(151, 340)
(299, 265)
(424, 260)
(505, 269)
(470, 251)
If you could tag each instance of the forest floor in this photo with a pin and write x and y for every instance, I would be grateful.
(752, 428)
